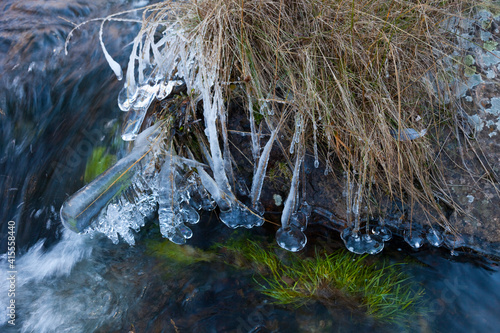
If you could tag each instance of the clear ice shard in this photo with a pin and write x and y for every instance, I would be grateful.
(165, 88)
(78, 211)
(126, 98)
(143, 99)
(133, 123)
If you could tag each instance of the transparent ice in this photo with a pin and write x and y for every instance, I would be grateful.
(434, 237)
(415, 236)
(78, 211)
(291, 236)
(360, 243)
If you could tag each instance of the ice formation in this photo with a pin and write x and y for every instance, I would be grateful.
(291, 235)
(81, 208)
(153, 178)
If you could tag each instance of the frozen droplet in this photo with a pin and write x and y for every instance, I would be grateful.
(185, 231)
(360, 243)
(353, 241)
(383, 232)
(414, 236)
(316, 164)
(178, 237)
(434, 237)
(373, 244)
(291, 238)
(189, 214)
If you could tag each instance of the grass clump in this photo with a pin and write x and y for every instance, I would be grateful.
(340, 79)
(383, 291)
(363, 84)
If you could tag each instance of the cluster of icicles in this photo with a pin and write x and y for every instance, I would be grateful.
(119, 200)
(152, 178)
(369, 235)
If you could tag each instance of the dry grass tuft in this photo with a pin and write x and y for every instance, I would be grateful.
(339, 77)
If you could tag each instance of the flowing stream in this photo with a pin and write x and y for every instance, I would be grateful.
(57, 109)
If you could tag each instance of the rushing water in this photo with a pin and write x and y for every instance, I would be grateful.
(55, 110)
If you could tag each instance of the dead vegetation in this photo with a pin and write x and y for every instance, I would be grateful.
(341, 80)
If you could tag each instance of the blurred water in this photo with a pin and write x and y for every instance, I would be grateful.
(54, 110)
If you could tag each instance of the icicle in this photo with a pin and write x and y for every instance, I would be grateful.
(171, 223)
(315, 134)
(211, 105)
(260, 172)
(354, 240)
(212, 188)
(253, 133)
(130, 79)
(290, 236)
(112, 63)
(208, 194)
(382, 231)
(78, 211)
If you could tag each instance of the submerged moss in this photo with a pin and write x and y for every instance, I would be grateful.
(97, 163)
(384, 291)
(182, 255)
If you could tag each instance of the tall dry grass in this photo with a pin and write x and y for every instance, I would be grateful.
(339, 77)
